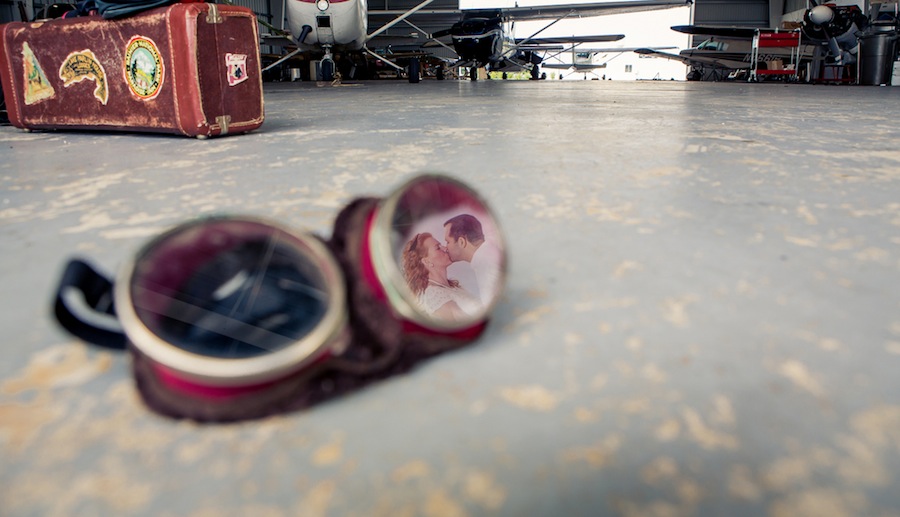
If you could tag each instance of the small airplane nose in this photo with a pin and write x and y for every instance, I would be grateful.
(821, 14)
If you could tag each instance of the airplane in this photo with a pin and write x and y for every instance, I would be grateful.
(723, 56)
(584, 60)
(329, 27)
(828, 35)
(326, 27)
(483, 38)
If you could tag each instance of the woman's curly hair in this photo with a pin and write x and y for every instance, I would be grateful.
(413, 269)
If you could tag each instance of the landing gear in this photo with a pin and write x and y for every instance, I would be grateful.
(327, 69)
(473, 73)
(327, 66)
(414, 70)
(535, 72)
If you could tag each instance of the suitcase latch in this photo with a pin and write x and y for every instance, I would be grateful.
(223, 122)
(213, 16)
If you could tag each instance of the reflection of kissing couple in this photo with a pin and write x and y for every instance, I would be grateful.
(425, 263)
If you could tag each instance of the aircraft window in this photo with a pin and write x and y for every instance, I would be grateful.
(582, 55)
(713, 45)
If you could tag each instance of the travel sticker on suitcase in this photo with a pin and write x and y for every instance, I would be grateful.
(144, 70)
(84, 66)
(37, 87)
(236, 65)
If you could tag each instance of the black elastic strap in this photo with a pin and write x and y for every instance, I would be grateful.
(97, 291)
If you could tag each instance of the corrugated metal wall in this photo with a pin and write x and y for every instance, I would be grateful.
(269, 13)
(262, 8)
(795, 5)
(742, 13)
(8, 12)
(750, 13)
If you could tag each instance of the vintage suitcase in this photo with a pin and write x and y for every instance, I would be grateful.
(188, 68)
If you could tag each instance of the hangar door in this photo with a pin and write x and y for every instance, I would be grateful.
(749, 13)
(741, 13)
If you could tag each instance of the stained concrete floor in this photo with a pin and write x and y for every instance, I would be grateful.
(702, 315)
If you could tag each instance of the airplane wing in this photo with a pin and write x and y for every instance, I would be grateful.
(665, 55)
(726, 32)
(614, 50)
(593, 66)
(722, 32)
(420, 20)
(566, 66)
(589, 9)
(706, 62)
(276, 40)
(569, 40)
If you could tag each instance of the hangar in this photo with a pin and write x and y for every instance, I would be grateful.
(699, 312)
(397, 32)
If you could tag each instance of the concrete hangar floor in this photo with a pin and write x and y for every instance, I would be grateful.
(701, 317)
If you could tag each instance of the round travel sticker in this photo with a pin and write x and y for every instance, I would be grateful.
(144, 70)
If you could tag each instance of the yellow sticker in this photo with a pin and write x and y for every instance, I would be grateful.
(83, 65)
(144, 70)
(37, 87)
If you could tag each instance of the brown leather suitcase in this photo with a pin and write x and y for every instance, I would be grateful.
(189, 68)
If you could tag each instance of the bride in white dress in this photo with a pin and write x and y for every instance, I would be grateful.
(425, 263)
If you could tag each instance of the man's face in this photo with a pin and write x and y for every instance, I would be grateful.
(454, 247)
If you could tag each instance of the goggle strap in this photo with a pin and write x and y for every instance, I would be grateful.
(97, 292)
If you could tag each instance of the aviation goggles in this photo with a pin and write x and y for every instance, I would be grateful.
(235, 317)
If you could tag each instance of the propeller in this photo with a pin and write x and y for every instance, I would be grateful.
(835, 26)
(821, 15)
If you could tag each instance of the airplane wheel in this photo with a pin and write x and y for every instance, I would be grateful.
(327, 70)
(414, 70)
(473, 74)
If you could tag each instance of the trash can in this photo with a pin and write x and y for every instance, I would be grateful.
(877, 51)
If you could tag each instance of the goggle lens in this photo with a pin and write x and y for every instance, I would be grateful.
(230, 289)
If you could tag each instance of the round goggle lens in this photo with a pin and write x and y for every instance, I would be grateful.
(449, 250)
(230, 289)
